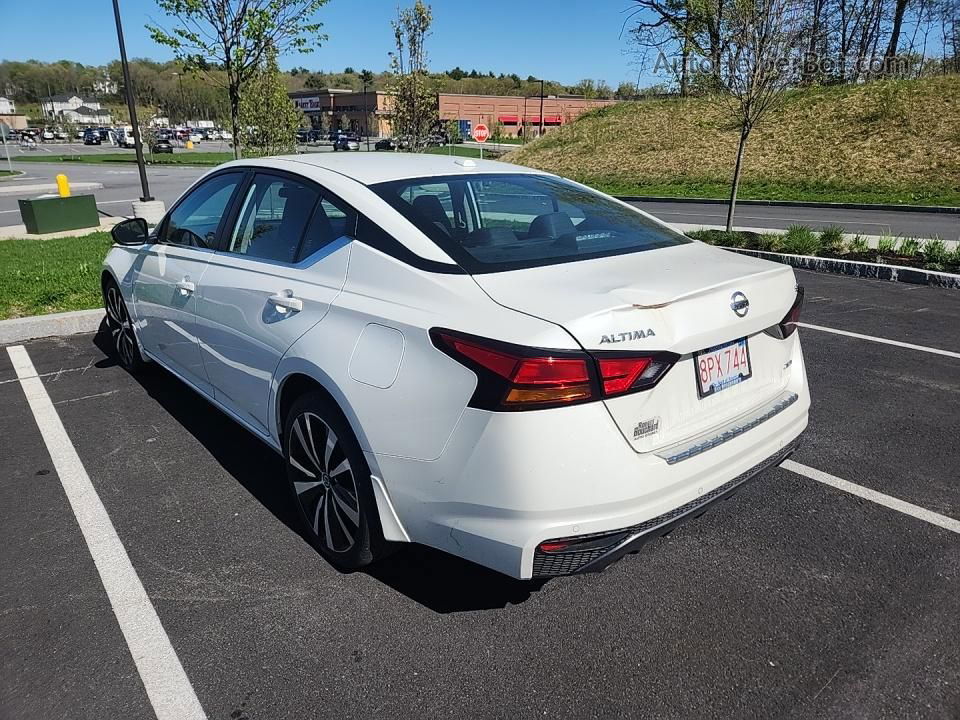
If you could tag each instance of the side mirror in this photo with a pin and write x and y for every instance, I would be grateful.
(130, 232)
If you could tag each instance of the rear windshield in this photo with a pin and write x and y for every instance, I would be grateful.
(492, 223)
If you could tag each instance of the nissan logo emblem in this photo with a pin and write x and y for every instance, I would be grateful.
(739, 304)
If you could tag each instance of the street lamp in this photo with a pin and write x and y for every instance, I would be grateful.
(132, 107)
(541, 107)
(183, 102)
(366, 115)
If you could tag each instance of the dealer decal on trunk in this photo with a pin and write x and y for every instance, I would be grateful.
(646, 427)
(624, 336)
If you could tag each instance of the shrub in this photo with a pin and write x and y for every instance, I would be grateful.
(953, 257)
(770, 242)
(801, 240)
(832, 240)
(886, 244)
(935, 251)
(909, 246)
(719, 237)
(859, 245)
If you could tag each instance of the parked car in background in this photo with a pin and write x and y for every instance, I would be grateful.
(104, 133)
(226, 135)
(92, 137)
(162, 146)
(47, 134)
(346, 142)
(303, 136)
(386, 144)
(81, 133)
(471, 355)
(59, 134)
(194, 136)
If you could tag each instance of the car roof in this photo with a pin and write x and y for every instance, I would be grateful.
(371, 168)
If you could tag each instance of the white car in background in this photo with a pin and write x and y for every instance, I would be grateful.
(475, 356)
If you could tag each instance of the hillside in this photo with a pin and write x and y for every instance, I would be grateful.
(890, 141)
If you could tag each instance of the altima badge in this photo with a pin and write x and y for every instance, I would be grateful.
(624, 336)
(739, 304)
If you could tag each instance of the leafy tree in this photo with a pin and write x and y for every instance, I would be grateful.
(366, 77)
(414, 101)
(236, 35)
(456, 73)
(267, 114)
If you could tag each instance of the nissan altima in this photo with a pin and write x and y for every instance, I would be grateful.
(476, 356)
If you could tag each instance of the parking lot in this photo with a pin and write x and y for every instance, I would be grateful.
(800, 597)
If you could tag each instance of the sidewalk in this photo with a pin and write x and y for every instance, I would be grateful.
(20, 231)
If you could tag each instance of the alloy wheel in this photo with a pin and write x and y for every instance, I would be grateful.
(121, 328)
(324, 483)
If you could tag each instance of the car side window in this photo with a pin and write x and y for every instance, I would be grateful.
(194, 221)
(273, 218)
(331, 220)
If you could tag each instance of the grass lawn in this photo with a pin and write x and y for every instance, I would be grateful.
(47, 276)
(8, 173)
(890, 141)
(187, 157)
(461, 151)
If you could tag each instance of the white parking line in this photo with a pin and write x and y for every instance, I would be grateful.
(885, 341)
(168, 688)
(888, 501)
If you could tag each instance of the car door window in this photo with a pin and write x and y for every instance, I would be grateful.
(194, 221)
(330, 221)
(272, 219)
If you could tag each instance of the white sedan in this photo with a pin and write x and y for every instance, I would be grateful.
(476, 356)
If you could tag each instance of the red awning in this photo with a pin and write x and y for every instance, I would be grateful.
(509, 119)
(551, 120)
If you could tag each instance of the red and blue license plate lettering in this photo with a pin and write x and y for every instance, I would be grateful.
(722, 366)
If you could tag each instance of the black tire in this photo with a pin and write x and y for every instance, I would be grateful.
(123, 341)
(330, 484)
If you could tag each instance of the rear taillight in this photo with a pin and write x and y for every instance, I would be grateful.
(514, 377)
(786, 327)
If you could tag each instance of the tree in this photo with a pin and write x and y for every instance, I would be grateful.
(236, 35)
(267, 115)
(758, 67)
(366, 77)
(414, 102)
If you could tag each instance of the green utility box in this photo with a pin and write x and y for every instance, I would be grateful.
(53, 214)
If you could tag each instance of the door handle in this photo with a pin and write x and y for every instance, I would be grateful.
(285, 301)
(186, 287)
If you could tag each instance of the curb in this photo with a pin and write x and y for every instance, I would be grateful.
(56, 324)
(855, 268)
(872, 240)
(48, 188)
(799, 204)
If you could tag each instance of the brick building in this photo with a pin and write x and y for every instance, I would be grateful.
(339, 109)
(515, 114)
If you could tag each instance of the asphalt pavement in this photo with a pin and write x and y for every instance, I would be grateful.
(793, 599)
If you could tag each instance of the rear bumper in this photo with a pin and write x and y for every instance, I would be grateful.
(604, 549)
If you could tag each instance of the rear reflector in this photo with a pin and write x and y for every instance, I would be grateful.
(514, 377)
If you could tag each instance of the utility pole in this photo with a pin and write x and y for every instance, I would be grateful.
(132, 107)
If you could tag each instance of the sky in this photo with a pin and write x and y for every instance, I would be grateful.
(562, 40)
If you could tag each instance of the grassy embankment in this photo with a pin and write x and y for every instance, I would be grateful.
(894, 141)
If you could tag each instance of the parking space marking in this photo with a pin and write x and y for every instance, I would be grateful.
(168, 688)
(885, 341)
(888, 501)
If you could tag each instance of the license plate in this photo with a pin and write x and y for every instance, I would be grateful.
(722, 366)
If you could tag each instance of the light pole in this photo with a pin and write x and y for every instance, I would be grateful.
(366, 115)
(541, 108)
(183, 102)
(132, 107)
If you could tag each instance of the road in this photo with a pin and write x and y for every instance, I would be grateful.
(121, 185)
(794, 599)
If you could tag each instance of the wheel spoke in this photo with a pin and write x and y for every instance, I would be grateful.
(341, 468)
(328, 451)
(303, 485)
(343, 526)
(316, 515)
(342, 503)
(313, 445)
(326, 526)
(301, 468)
(303, 444)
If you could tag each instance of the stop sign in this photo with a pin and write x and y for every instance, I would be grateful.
(481, 133)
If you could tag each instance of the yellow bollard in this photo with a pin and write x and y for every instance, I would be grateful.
(189, 145)
(63, 185)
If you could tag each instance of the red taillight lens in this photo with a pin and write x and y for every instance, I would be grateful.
(522, 381)
(512, 377)
(786, 327)
(619, 374)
